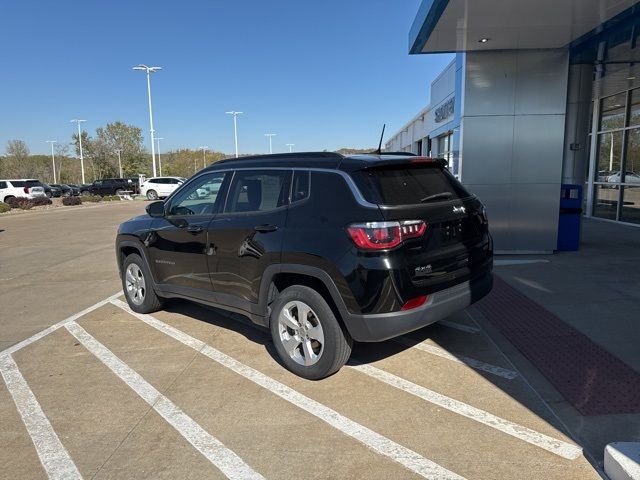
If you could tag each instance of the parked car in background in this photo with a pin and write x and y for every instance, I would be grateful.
(74, 189)
(24, 187)
(134, 184)
(65, 190)
(629, 177)
(108, 186)
(52, 190)
(160, 187)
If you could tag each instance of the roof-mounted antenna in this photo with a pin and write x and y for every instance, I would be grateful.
(379, 150)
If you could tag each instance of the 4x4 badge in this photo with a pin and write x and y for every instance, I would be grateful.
(459, 210)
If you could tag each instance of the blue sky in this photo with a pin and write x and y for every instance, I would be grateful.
(319, 74)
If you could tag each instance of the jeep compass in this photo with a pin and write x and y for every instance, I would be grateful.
(322, 249)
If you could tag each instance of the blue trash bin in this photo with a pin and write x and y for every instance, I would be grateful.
(570, 217)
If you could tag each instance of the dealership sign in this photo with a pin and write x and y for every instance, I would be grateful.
(445, 110)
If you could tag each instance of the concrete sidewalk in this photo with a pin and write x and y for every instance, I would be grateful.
(596, 291)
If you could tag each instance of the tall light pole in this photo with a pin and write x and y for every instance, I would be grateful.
(270, 135)
(118, 151)
(53, 159)
(204, 156)
(235, 128)
(159, 159)
(80, 141)
(290, 145)
(149, 71)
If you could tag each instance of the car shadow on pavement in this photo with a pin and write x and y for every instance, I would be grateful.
(362, 352)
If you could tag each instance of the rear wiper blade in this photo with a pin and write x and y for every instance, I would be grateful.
(436, 196)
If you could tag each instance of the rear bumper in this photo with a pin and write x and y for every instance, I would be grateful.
(379, 327)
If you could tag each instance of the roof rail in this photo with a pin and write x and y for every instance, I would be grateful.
(277, 156)
(406, 154)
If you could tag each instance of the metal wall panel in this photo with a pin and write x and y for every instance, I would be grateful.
(489, 83)
(513, 120)
(533, 219)
(538, 142)
(487, 149)
(541, 82)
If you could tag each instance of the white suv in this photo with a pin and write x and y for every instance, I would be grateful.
(160, 187)
(24, 187)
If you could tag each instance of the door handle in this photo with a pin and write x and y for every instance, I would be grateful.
(194, 229)
(265, 228)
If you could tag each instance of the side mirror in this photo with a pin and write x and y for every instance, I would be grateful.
(156, 209)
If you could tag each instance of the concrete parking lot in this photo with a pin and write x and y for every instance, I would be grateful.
(93, 390)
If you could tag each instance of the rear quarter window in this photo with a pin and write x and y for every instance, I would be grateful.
(408, 185)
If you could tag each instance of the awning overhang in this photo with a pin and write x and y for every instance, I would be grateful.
(461, 25)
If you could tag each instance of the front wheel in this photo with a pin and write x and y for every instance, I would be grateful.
(138, 287)
(85, 193)
(307, 335)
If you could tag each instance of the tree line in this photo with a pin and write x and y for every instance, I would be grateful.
(100, 157)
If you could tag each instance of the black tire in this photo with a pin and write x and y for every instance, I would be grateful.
(48, 194)
(152, 195)
(337, 341)
(8, 197)
(85, 193)
(151, 302)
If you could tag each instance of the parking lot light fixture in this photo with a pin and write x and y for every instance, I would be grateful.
(53, 159)
(149, 71)
(204, 156)
(78, 121)
(159, 158)
(270, 135)
(118, 151)
(235, 128)
(290, 145)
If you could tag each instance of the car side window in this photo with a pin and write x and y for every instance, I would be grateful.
(258, 191)
(300, 187)
(200, 197)
(3, 184)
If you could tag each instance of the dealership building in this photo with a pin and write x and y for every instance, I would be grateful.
(540, 93)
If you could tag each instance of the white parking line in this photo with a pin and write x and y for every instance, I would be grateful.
(558, 447)
(54, 457)
(382, 445)
(472, 362)
(459, 326)
(214, 451)
(33, 338)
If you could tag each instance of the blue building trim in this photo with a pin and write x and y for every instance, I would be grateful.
(427, 18)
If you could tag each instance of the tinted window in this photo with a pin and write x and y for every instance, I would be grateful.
(300, 187)
(34, 183)
(408, 185)
(200, 197)
(3, 184)
(258, 191)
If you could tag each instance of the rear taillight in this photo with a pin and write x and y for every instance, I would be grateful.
(415, 302)
(384, 235)
(26, 189)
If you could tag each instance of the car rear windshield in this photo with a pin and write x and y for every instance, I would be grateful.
(409, 185)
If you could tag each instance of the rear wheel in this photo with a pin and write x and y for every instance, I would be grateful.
(152, 195)
(307, 335)
(138, 287)
(48, 194)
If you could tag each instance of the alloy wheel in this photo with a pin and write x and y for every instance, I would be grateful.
(135, 284)
(301, 333)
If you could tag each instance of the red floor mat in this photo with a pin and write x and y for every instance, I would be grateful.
(588, 376)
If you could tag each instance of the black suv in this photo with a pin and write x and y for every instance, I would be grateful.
(321, 248)
(109, 186)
